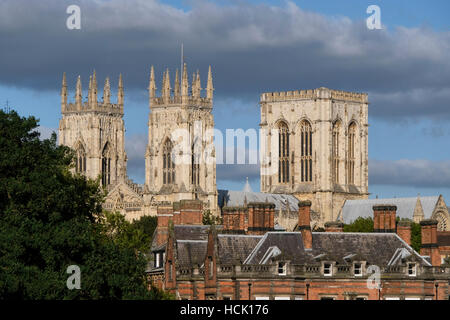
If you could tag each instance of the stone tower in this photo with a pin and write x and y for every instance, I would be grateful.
(95, 130)
(318, 149)
(180, 157)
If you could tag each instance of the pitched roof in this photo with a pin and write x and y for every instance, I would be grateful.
(191, 252)
(238, 198)
(375, 248)
(235, 248)
(191, 232)
(289, 243)
(353, 209)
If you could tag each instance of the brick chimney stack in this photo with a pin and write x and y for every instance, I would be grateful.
(384, 218)
(429, 245)
(191, 212)
(404, 231)
(334, 226)
(304, 223)
(234, 219)
(261, 217)
(164, 216)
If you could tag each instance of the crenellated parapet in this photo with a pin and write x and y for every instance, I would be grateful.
(92, 103)
(320, 93)
(181, 94)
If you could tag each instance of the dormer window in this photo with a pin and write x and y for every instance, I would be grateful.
(357, 269)
(412, 272)
(327, 269)
(282, 268)
(157, 260)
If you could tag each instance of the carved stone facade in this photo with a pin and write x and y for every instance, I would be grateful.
(320, 151)
(179, 118)
(180, 159)
(95, 130)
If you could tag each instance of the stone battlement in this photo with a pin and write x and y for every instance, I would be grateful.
(178, 100)
(320, 93)
(108, 108)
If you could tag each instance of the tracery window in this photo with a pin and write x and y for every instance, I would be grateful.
(335, 151)
(168, 165)
(80, 160)
(283, 153)
(106, 165)
(306, 168)
(351, 153)
(195, 166)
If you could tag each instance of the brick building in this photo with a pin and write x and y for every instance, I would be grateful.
(246, 259)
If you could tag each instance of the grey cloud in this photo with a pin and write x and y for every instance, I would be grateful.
(253, 48)
(135, 146)
(411, 173)
(237, 172)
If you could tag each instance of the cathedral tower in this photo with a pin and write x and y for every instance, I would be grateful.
(95, 130)
(180, 157)
(319, 149)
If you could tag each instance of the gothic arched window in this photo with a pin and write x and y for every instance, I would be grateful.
(351, 153)
(335, 151)
(106, 165)
(80, 160)
(195, 165)
(283, 153)
(306, 168)
(442, 221)
(168, 165)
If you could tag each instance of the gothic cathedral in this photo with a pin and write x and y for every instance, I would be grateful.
(322, 147)
(321, 143)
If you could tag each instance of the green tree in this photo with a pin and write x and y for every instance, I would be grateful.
(360, 225)
(135, 235)
(49, 221)
(209, 219)
(416, 233)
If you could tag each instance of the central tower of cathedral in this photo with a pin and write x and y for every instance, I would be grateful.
(180, 156)
(318, 149)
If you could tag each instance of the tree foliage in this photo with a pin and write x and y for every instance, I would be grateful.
(135, 235)
(209, 219)
(360, 225)
(366, 225)
(49, 221)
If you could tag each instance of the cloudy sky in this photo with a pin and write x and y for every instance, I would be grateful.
(253, 47)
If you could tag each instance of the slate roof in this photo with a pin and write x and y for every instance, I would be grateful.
(192, 232)
(235, 248)
(353, 209)
(375, 248)
(191, 252)
(289, 243)
(237, 198)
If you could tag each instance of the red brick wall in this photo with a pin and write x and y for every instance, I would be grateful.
(384, 218)
(429, 241)
(304, 223)
(340, 289)
(404, 231)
